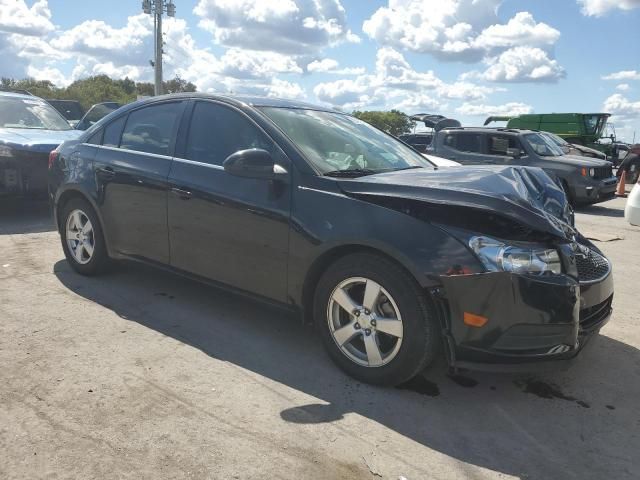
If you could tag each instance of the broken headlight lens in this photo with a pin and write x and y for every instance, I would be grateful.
(497, 256)
(5, 151)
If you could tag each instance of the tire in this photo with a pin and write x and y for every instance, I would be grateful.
(567, 192)
(84, 261)
(399, 296)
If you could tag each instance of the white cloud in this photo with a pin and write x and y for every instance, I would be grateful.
(598, 8)
(285, 89)
(129, 45)
(625, 115)
(520, 30)
(465, 90)
(250, 64)
(285, 26)
(523, 64)
(623, 87)
(454, 29)
(345, 93)
(509, 109)
(17, 17)
(619, 106)
(396, 84)
(329, 65)
(49, 73)
(623, 75)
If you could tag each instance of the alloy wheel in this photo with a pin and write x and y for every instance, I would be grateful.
(80, 236)
(365, 322)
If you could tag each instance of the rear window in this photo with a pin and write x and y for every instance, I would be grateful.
(112, 132)
(151, 129)
(464, 142)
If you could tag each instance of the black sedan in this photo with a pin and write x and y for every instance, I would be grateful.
(395, 261)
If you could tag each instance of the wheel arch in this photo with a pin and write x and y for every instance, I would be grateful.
(69, 193)
(330, 256)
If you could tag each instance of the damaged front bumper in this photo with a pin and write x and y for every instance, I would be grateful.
(532, 322)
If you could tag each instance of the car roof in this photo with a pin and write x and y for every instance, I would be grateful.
(489, 130)
(4, 93)
(241, 100)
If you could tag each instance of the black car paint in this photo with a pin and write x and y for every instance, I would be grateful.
(272, 238)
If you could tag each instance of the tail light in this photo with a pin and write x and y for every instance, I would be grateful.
(53, 156)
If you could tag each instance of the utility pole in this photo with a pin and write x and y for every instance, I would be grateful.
(157, 8)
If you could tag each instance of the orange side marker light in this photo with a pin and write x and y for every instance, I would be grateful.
(474, 320)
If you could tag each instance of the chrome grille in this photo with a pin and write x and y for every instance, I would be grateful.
(603, 172)
(591, 265)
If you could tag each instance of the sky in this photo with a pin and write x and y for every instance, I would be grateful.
(465, 59)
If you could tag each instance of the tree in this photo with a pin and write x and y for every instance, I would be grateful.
(96, 89)
(175, 85)
(394, 122)
(178, 85)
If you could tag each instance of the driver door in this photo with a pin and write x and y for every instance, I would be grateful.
(498, 146)
(223, 227)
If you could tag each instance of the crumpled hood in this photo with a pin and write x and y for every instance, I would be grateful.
(523, 195)
(33, 139)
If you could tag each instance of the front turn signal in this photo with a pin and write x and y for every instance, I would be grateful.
(474, 320)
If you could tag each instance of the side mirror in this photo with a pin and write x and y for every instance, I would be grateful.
(253, 163)
(514, 152)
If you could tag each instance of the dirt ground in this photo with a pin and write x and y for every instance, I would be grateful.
(139, 374)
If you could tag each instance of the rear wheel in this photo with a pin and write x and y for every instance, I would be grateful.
(376, 322)
(82, 238)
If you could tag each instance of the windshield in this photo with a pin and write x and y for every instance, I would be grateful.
(68, 108)
(334, 142)
(561, 142)
(542, 146)
(16, 112)
(96, 113)
(594, 124)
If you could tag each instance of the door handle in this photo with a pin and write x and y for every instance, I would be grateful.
(183, 194)
(106, 172)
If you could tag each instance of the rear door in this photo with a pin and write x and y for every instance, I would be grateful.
(467, 148)
(132, 168)
(230, 229)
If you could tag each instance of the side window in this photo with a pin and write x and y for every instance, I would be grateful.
(216, 132)
(464, 142)
(112, 132)
(151, 129)
(498, 144)
(96, 138)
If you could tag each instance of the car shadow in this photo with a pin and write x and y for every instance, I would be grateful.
(574, 424)
(601, 211)
(20, 215)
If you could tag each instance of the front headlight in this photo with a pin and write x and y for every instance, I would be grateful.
(592, 172)
(5, 151)
(500, 257)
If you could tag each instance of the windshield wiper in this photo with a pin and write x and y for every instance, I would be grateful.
(351, 173)
(407, 168)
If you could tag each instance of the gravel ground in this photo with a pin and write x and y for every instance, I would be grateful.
(140, 374)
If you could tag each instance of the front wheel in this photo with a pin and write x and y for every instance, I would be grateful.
(376, 322)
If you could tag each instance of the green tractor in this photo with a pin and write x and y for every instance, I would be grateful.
(576, 128)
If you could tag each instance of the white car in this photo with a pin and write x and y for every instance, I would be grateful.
(441, 162)
(632, 210)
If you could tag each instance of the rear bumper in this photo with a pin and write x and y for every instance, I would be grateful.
(533, 323)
